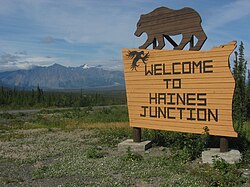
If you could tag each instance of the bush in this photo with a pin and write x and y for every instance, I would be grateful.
(132, 156)
(93, 152)
(185, 145)
(112, 136)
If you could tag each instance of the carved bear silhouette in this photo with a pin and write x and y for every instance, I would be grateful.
(164, 22)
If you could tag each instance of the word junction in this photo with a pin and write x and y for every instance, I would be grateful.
(175, 105)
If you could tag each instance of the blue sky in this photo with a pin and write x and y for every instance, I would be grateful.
(77, 32)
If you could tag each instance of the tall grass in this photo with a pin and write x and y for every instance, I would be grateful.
(246, 130)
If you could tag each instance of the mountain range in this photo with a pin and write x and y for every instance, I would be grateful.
(57, 76)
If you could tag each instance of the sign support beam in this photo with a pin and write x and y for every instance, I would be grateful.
(192, 41)
(136, 134)
(223, 145)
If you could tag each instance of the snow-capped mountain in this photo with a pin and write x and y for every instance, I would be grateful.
(57, 76)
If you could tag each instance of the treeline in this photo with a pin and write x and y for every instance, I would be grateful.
(38, 98)
(241, 99)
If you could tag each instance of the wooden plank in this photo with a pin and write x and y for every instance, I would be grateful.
(208, 91)
(171, 17)
(205, 76)
(167, 99)
(213, 52)
(164, 21)
(183, 118)
(168, 65)
(207, 94)
(168, 71)
(220, 96)
(183, 55)
(224, 125)
(211, 105)
(187, 80)
(162, 86)
(199, 130)
(136, 111)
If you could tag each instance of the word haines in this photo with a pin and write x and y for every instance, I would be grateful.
(189, 99)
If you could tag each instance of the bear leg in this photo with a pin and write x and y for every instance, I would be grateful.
(148, 42)
(185, 39)
(161, 42)
(201, 36)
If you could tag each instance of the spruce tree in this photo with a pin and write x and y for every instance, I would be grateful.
(248, 95)
(240, 95)
(236, 97)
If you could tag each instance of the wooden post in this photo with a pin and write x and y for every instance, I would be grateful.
(223, 144)
(192, 42)
(136, 134)
(154, 43)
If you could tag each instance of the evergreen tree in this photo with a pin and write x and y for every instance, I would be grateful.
(239, 100)
(39, 94)
(248, 95)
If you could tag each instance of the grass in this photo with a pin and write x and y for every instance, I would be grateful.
(246, 130)
(78, 148)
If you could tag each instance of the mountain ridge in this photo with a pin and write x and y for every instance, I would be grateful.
(59, 77)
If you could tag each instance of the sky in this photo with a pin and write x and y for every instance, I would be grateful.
(93, 32)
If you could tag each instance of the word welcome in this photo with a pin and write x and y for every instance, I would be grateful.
(189, 67)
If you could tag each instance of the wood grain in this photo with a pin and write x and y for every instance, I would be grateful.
(164, 22)
(216, 85)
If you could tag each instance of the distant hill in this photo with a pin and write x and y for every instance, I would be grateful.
(60, 77)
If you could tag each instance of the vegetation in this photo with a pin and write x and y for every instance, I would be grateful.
(38, 98)
(76, 148)
(248, 95)
(241, 93)
(241, 99)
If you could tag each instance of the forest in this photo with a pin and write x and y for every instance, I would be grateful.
(17, 98)
(241, 98)
(55, 147)
(38, 98)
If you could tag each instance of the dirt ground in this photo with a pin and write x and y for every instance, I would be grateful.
(86, 154)
(42, 157)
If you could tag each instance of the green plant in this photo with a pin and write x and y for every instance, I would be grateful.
(132, 156)
(6, 115)
(186, 146)
(93, 152)
(112, 136)
(225, 174)
(220, 164)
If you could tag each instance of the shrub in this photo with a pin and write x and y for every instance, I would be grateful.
(93, 152)
(132, 156)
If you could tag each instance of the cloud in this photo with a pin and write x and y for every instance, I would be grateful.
(8, 59)
(80, 21)
(22, 53)
(10, 62)
(228, 13)
(47, 40)
(94, 32)
(40, 59)
(113, 64)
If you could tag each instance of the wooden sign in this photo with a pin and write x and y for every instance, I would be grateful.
(164, 22)
(182, 91)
